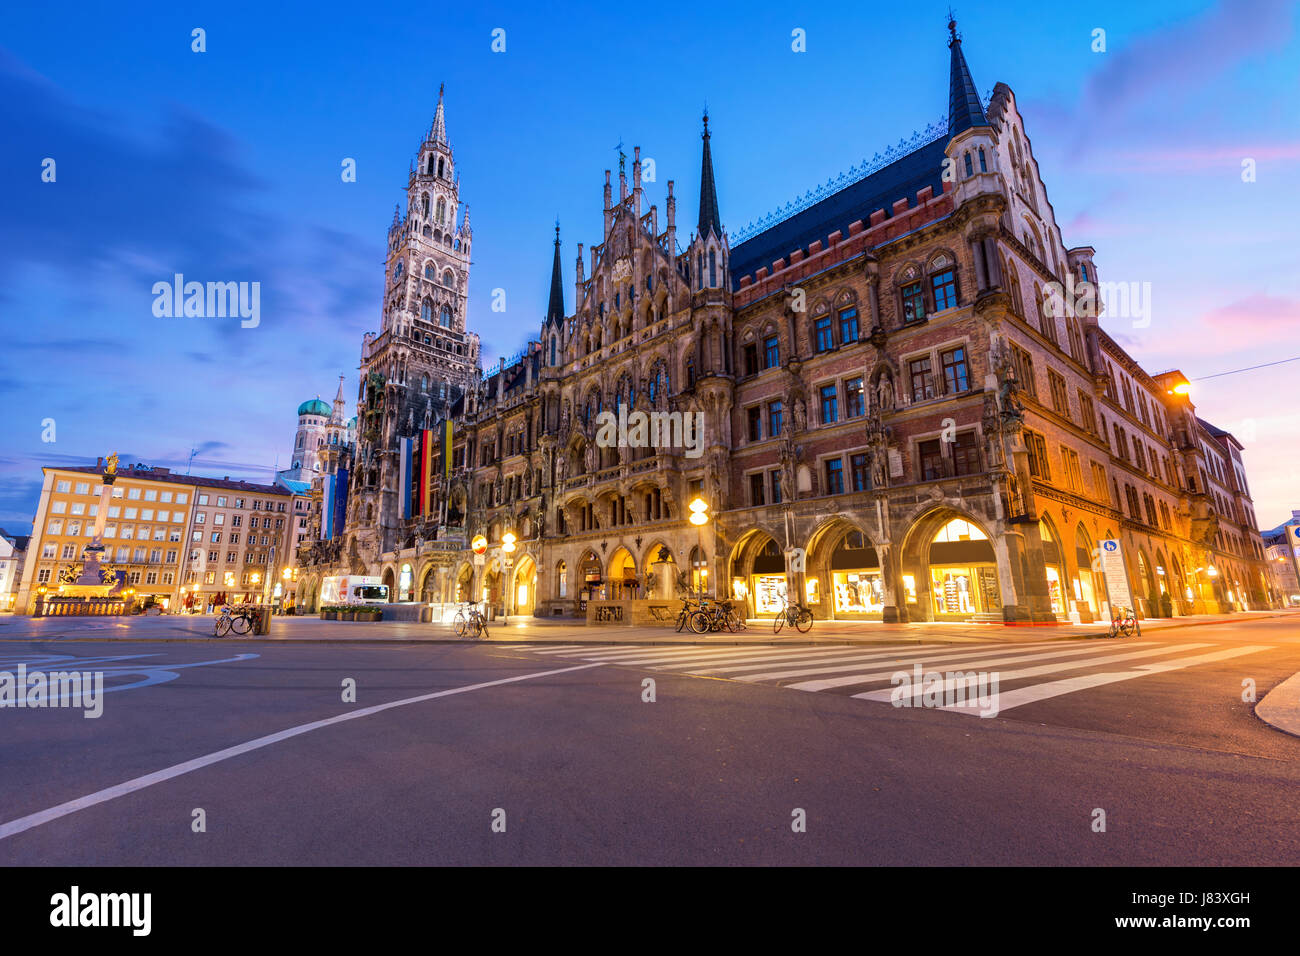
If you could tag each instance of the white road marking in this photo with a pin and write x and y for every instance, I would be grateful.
(160, 776)
(981, 659)
(1036, 692)
(845, 655)
(1043, 669)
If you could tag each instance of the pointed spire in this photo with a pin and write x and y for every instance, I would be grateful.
(964, 109)
(397, 214)
(555, 310)
(339, 399)
(438, 132)
(465, 230)
(709, 218)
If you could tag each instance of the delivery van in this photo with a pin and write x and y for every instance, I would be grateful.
(353, 589)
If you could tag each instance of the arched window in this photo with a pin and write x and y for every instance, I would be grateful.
(440, 167)
(424, 383)
(713, 268)
(442, 209)
(426, 310)
(445, 318)
(970, 169)
(984, 166)
(448, 279)
(429, 271)
(430, 164)
(552, 349)
(397, 270)
(424, 205)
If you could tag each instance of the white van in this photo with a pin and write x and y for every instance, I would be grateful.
(353, 589)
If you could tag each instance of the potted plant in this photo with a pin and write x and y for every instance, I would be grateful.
(369, 614)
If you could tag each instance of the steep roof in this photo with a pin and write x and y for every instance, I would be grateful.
(709, 216)
(964, 109)
(904, 177)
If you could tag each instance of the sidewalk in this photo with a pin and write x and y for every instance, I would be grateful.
(566, 631)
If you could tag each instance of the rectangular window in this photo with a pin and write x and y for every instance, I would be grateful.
(954, 371)
(1038, 464)
(848, 325)
(834, 476)
(913, 303)
(861, 475)
(945, 290)
(823, 329)
(774, 483)
(63, 486)
(751, 359)
(930, 460)
(830, 405)
(59, 507)
(203, 499)
(773, 419)
(1024, 365)
(922, 381)
(754, 418)
(69, 551)
(965, 455)
(133, 494)
(756, 489)
(772, 351)
(83, 488)
(854, 399)
(1087, 413)
(216, 537)
(1060, 397)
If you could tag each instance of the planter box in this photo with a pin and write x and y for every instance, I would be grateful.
(349, 616)
(369, 616)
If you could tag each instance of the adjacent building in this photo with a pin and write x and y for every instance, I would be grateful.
(171, 536)
(13, 552)
(1282, 552)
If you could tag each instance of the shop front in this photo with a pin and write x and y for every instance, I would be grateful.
(963, 573)
(858, 589)
(767, 581)
(591, 582)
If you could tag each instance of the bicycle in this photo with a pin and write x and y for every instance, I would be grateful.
(470, 619)
(686, 616)
(237, 619)
(1123, 623)
(799, 616)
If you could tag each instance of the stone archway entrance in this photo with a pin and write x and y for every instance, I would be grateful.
(843, 576)
(525, 587)
(950, 570)
(758, 574)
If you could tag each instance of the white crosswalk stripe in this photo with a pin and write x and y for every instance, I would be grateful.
(844, 669)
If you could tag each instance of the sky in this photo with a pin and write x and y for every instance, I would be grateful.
(225, 165)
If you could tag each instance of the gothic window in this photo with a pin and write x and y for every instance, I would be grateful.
(970, 168)
(429, 271)
(430, 165)
(713, 268)
(426, 310)
(442, 210)
(448, 279)
(424, 205)
(397, 270)
(552, 349)
(984, 167)
(424, 383)
(445, 318)
(440, 168)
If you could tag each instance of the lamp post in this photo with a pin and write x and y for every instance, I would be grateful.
(508, 546)
(700, 517)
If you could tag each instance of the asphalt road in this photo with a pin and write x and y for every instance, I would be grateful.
(562, 746)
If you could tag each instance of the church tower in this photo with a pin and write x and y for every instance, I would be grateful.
(423, 359)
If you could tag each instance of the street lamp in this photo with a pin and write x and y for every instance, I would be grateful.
(700, 517)
(508, 546)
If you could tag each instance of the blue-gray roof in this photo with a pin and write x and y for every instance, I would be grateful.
(903, 178)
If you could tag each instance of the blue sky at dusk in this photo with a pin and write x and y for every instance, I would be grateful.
(225, 166)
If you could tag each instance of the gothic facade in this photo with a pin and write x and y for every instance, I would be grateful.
(910, 411)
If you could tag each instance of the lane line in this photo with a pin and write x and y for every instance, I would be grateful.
(964, 658)
(160, 776)
(1025, 672)
(1036, 692)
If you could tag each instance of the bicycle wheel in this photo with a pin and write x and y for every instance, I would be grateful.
(804, 621)
(778, 622)
(481, 632)
(1127, 627)
(460, 623)
(682, 617)
(223, 626)
(699, 622)
(241, 624)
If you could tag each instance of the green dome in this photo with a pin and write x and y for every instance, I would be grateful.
(315, 407)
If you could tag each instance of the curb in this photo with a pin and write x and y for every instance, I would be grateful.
(1280, 707)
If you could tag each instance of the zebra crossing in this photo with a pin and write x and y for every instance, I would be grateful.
(959, 678)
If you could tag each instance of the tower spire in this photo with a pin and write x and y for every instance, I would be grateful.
(555, 310)
(438, 132)
(964, 109)
(709, 218)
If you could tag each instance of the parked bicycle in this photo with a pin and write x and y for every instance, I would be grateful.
(236, 618)
(471, 622)
(1123, 622)
(797, 615)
